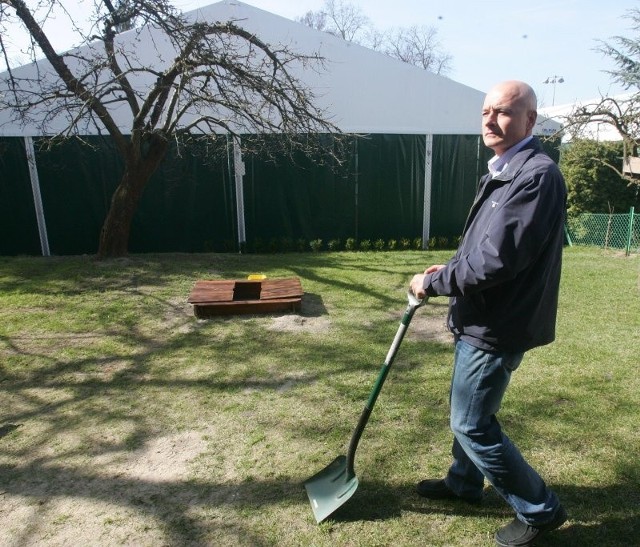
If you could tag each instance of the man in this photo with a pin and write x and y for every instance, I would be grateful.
(503, 282)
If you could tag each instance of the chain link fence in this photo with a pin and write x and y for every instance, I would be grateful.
(609, 231)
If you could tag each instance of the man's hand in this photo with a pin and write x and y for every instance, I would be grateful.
(417, 286)
(417, 282)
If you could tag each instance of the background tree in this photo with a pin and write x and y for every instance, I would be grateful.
(593, 187)
(316, 20)
(622, 113)
(416, 45)
(625, 51)
(218, 79)
(340, 19)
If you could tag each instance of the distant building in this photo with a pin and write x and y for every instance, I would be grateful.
(598, 131)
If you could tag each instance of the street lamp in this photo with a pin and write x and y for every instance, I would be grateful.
(554, 80)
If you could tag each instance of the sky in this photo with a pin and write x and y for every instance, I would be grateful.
(495, 40)
(491, 40)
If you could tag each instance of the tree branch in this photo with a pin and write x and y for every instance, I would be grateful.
(58, 64)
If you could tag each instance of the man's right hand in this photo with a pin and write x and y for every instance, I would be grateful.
(417, 286)
(417, 282)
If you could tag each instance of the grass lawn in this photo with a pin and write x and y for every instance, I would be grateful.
(124, 420)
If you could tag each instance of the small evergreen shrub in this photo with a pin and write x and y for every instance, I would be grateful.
(316, 245)
(351, 244)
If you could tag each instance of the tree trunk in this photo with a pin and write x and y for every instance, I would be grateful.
(114, 236)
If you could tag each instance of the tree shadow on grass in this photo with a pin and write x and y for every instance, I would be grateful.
(171, 504)
(312, 305)
(594, 519)
(598, 516)
(5, 429)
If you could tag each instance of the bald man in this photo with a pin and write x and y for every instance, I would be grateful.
(503, 286)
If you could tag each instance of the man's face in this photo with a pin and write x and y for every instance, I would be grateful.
(506, 119)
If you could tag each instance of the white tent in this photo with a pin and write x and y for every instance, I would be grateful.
(365, 91)
(362, 91)
(595, 130)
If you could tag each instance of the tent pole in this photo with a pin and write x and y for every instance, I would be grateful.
(37, 197)
(239, 171)
(426, 212)
(356, 187)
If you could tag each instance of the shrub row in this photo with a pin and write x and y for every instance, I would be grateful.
(288, 245)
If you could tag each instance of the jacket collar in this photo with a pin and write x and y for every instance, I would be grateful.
(515, 163)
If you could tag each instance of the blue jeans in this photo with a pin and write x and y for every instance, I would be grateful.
(480, 448)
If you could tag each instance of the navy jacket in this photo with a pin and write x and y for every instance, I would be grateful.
(504, 279)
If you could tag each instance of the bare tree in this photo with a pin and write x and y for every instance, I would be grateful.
(621, 113)
(375, 39)
(416, 45)
(346, 19)
(339, 18)
(218, 79)
(315, 19)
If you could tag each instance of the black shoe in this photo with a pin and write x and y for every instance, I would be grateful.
(437, 489)
(519, 534)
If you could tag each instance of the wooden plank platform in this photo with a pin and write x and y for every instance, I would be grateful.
(243, 296)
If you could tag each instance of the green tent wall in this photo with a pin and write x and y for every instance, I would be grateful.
(18, 224)
(376, 194)
(189, 205)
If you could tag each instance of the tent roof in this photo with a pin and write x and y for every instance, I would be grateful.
(595, 130)
(362, 90)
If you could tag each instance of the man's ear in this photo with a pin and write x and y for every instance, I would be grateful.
(531, 119)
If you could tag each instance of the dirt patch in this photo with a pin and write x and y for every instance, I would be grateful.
(163, 459)
(299, 323)
(117, 498)
(431, 328)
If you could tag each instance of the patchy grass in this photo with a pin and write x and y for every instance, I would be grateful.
(126, 420)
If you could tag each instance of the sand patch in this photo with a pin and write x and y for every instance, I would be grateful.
(299, 323)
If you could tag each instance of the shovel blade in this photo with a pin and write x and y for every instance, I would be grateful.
(330, 488)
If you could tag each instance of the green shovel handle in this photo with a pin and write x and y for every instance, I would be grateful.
(414, 304)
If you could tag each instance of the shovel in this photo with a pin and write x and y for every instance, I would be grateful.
(335, 484)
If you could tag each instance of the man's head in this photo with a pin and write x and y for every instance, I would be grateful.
(508, 115)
